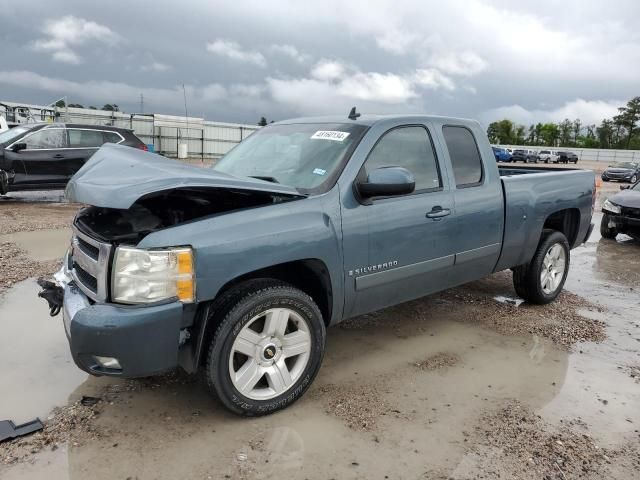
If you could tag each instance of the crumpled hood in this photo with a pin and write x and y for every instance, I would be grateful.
(627, 198)
(117, 176)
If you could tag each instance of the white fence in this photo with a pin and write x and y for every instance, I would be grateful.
(591, 154)
(204, 139)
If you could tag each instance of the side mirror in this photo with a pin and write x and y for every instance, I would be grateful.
(387, 182)
(18, 146)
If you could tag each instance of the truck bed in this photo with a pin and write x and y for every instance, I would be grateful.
(533, 195)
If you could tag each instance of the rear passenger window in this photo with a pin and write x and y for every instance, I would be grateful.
(111, 137)
(464, 154)
(85, 138)
(410, 148)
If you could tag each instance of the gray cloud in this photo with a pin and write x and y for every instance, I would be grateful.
(478, 58)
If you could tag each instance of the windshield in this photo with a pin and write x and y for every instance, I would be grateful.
(624, 165)
(303, 155)
(13, 133)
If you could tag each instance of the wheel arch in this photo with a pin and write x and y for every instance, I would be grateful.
(310, 275)
(566, 221)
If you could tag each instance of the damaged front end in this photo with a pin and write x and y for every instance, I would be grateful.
(126, 309)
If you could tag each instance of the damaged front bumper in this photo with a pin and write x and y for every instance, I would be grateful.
(120, 340)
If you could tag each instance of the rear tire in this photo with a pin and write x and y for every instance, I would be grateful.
(634, 179)
(267, 348)
(542, 280)
(605, 231)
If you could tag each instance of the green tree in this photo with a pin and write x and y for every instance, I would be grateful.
(538, 132)
(566, 129)
(629, 117)
(577, 128)
(605, 133)
(531, 138)
(549, 132)
(262, 122)
(520, 134)
(75, 105)
(501, 132)
(60, 104)
(111, 107)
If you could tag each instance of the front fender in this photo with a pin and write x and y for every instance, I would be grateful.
(231, 245)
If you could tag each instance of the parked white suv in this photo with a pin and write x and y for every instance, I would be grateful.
(549, 156)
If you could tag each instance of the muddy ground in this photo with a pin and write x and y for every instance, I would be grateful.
(468, 383)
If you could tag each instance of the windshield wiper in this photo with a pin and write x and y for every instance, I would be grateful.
(266, 179)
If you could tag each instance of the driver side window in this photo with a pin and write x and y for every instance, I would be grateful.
(410, 148)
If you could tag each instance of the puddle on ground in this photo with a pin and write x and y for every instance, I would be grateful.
(165, 430)
(41, 245)
(422, 418)
(36, 368)
(598, 388)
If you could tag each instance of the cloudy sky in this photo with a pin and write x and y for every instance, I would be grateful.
(532, 60)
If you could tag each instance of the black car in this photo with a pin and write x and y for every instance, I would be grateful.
(526, 156)
(622, 172)
(621, 213)
(567, 157)
(44, 156)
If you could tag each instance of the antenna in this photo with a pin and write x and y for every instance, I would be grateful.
(353, 115)
(186, 114)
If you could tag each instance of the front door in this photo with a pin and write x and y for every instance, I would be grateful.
(408, 252)
(44, 158)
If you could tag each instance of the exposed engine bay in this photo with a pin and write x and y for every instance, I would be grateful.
(168, 208)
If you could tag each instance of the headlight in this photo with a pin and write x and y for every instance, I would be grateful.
(611, 207)
(143, 276)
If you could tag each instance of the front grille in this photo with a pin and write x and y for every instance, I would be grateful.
(86, 278)
(90, 265)
(631, 212)
(93, 252)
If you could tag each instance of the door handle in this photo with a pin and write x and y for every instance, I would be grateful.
(438, 212)
(58, 156)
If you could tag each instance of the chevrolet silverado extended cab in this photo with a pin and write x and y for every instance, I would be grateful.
(237, 270)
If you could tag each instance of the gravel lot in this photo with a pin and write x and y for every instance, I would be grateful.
(468, 383)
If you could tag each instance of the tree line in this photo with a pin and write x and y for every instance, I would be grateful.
(109, 107)
(620, 132)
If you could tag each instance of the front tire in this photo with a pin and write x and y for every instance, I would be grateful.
(605, 231)
(634, 179)
(542, 280)
(267, 348)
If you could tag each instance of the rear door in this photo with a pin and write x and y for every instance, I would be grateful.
(83, 143)
(398, 248)
(476, 234)
(44, 157)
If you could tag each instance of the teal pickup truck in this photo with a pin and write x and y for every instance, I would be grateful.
(238, 270)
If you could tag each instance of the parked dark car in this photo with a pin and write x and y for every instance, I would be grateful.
(526, 156)
(44, 156)
(622, 172)
(567, 157)
(501, 154)
(621, 213)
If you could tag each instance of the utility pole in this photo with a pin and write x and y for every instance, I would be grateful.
(141, 103)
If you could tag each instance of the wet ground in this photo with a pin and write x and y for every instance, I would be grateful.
(463, 384)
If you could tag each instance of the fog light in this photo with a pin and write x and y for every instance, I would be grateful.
(108, 362)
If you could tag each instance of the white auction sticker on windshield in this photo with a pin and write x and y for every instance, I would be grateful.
(330, 135)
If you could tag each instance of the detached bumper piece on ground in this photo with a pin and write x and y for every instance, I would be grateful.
(9, 430)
